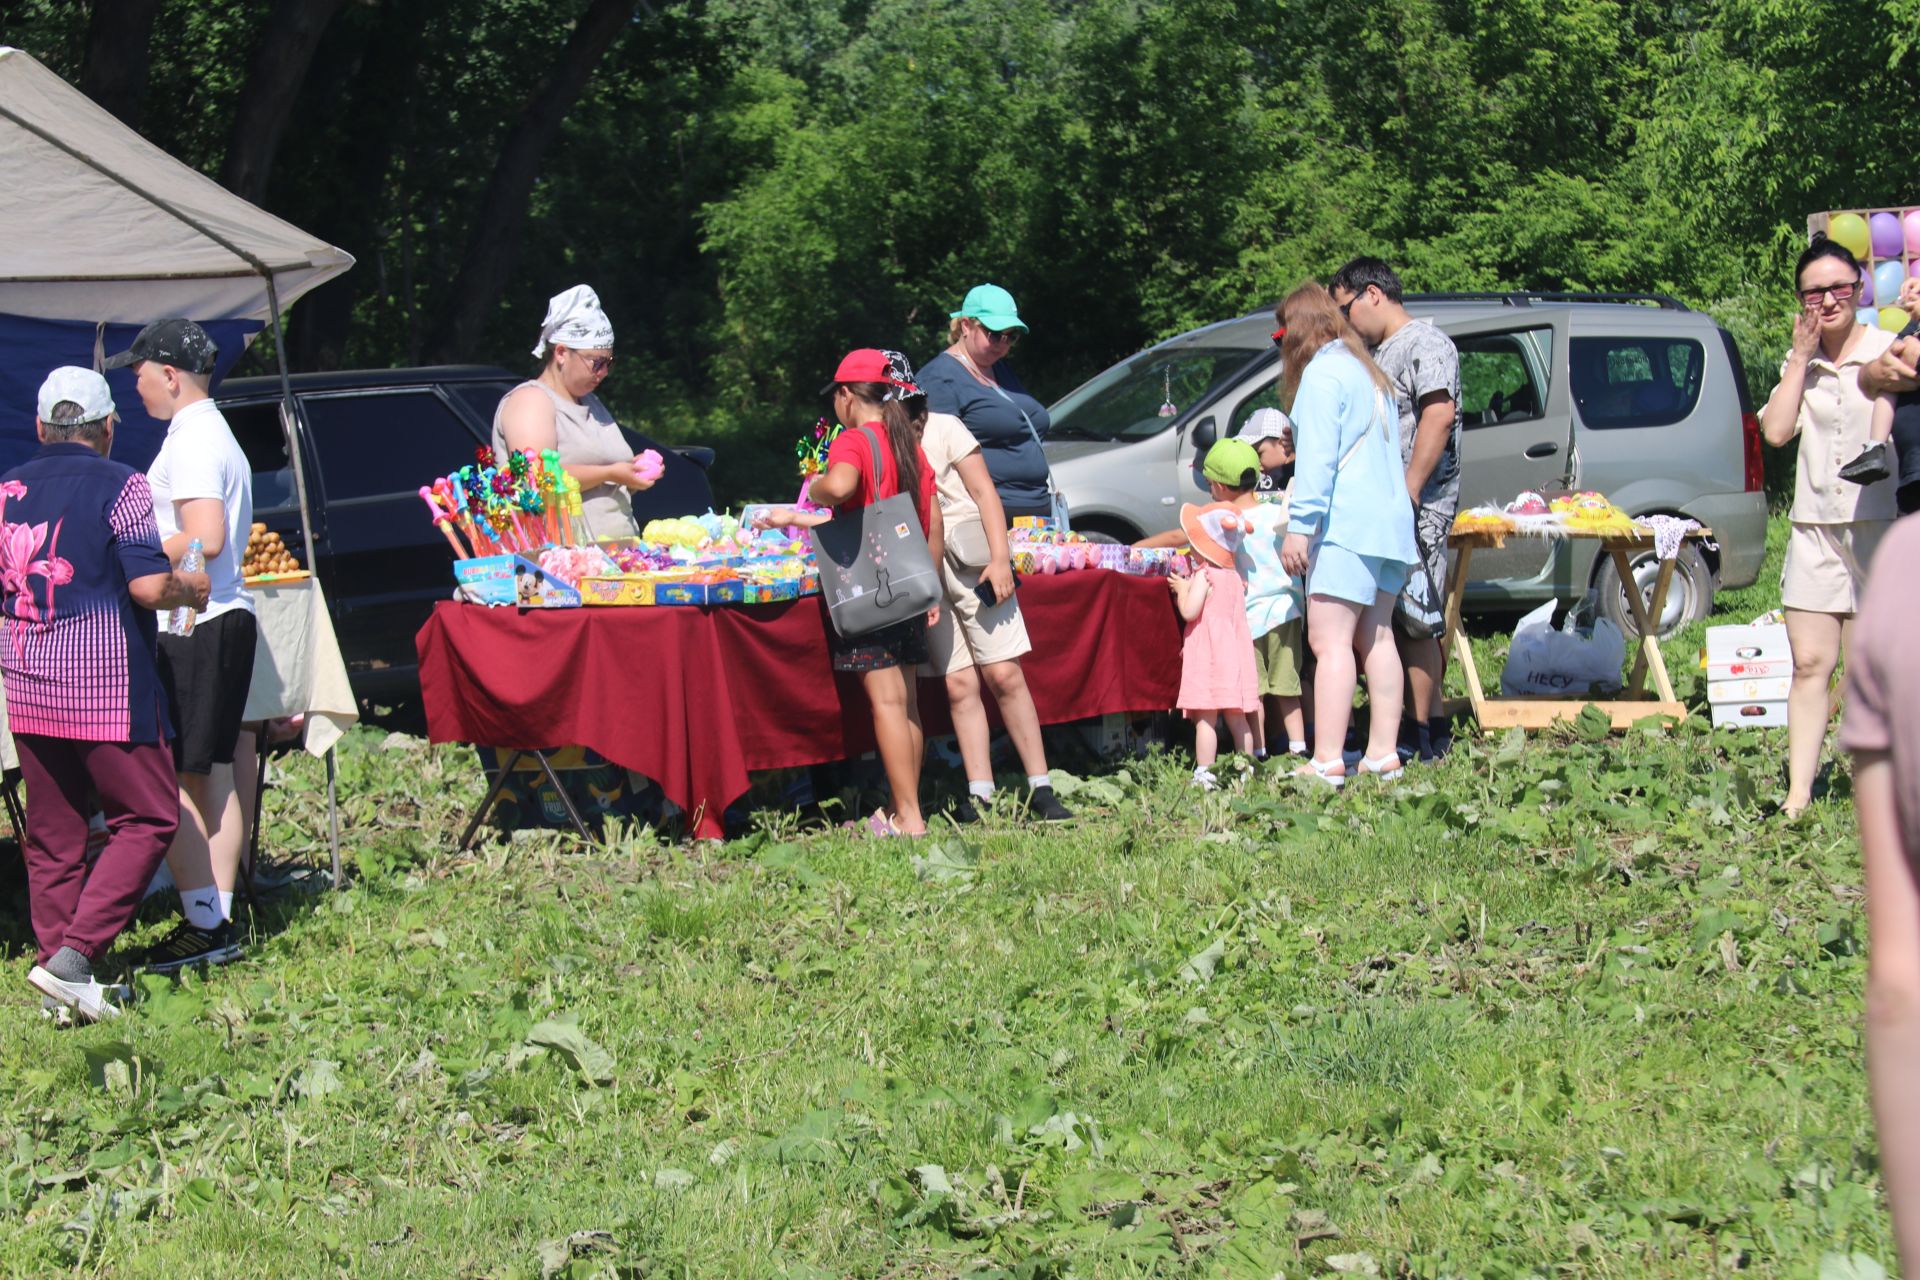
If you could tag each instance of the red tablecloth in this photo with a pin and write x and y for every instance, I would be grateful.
(695, 698)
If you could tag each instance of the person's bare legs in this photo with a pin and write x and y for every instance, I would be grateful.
(1331, 628)
(1373, 644)
(206, 849)
(246, 775)
(1206, 741)
(970, 729)
(1426, 668)
(1815, 639)
(896, 729)
(1017, 712)
(1293, 719)
(1240, 726)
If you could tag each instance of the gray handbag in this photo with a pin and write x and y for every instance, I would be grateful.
(875, 571)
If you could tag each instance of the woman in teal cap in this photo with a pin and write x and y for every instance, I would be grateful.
(972, 381)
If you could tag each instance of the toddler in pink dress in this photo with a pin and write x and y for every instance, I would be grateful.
(1217, 677)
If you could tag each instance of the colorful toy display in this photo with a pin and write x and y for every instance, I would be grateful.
(529, 503)
(1488, 519)
(1887, 243)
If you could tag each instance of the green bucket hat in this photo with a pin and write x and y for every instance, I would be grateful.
(1229, 462)
(992, 306)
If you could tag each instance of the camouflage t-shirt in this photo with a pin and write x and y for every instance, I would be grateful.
(1419, 360)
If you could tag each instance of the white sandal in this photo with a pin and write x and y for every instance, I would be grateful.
(1386, 768)
(1324, 772)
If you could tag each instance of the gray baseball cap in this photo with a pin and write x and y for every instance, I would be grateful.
(180, 343)
(1265, 424)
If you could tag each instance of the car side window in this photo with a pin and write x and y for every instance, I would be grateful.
(1636, 382)
(387, 443)
(1266, 396)
(481, 400)
(1497, 383)
(257, 429)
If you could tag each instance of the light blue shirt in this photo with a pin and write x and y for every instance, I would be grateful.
(1339, 413)
(1273, 597)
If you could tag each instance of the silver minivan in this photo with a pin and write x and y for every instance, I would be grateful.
(1635, 396)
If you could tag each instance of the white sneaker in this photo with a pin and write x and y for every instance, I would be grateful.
(88, 999)
(1203, 778)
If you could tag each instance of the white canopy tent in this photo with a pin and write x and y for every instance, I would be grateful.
(98, 225)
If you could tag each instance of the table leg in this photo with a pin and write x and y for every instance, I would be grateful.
(578, 823)
(1456, 636)
(333, 812)
(1645, 613)
(493, 793)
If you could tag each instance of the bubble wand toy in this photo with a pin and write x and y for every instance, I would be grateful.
(442, 521)
(553, 488)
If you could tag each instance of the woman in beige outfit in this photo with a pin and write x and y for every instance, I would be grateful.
(559, 411)
(1835, 525)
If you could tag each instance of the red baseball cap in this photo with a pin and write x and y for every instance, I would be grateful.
(871, 364)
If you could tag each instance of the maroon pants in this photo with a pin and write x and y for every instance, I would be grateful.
(138, 791)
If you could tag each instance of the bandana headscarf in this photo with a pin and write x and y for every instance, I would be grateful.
(899, 379)
(574, 319)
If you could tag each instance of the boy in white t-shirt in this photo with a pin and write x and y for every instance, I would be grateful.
(202, 489)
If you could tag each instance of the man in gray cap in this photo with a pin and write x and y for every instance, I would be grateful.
(83, 696)
(202, 491)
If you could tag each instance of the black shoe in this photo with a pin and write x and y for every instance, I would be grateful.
(963, 812)
(1871, 466)
(1044, 805)
(1440, 733)
(187, 946)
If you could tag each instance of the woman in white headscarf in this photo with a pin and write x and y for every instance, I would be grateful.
(558, 410)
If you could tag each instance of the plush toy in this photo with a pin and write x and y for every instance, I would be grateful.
(650, 466)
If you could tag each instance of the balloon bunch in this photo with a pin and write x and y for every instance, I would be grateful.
(529, 503)
(812, 452)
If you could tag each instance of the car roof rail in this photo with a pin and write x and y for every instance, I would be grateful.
(1527, 297)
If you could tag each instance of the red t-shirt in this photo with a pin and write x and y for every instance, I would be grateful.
(850, 447)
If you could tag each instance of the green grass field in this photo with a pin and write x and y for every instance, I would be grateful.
(1568, 1005)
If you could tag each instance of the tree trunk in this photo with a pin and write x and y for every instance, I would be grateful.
(495, 240)
(288, 40)
(114, 71)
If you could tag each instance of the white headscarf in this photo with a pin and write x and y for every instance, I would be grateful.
(574, 319)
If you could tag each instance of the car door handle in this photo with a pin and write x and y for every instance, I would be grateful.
(1545, 449)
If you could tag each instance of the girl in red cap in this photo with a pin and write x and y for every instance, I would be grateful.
(876, 388)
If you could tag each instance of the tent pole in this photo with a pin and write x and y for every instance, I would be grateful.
(290, 421)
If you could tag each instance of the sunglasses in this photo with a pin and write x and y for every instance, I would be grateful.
(1840, 292)
(1008, 336)
(599, 364)
(1346, 308)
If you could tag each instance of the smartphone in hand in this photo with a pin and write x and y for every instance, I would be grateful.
(984, 590)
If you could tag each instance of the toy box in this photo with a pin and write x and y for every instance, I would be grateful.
(511, 579)
(726, 591)
(627, 589)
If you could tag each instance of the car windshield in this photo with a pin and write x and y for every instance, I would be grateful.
(1127, 402)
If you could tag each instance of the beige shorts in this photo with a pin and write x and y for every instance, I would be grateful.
(1276, 660)
(1827, 564)
(970, 634)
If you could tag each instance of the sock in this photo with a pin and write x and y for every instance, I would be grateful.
(1296, 746)
(980, 790)
(226, 904)
(69, 965)
(201, 907)
(1035, 781)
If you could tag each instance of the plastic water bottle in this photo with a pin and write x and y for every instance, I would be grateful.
(180, 621)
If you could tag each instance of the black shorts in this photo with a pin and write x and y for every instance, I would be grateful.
(205, 677)
(904, 644)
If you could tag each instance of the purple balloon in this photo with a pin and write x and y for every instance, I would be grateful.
(1887, 235)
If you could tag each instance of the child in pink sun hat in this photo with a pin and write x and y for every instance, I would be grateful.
(1217, 678)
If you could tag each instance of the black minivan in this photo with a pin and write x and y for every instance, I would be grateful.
(372, 438)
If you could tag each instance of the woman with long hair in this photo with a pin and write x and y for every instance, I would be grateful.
(1349, 527)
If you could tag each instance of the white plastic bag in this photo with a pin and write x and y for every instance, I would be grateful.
(1569, 662)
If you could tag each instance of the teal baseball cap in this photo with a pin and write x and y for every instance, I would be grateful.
(992, 306)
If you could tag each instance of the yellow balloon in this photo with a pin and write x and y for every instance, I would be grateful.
(1893, 318)
(1850, 229)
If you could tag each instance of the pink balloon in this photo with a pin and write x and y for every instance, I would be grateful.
(1913, 268)
(1913, 230)
(1884, 230)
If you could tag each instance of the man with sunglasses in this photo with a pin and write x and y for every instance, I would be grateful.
(1424, 367)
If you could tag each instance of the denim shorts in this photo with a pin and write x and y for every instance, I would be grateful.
(1337, 572)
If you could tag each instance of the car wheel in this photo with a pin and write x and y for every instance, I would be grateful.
(1689, 596)
(1103, 539)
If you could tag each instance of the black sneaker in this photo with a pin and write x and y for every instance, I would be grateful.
(1870, 467)
(963, 812)
(187, 946)
(1044, 805)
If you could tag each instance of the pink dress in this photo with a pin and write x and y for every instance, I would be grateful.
(1216, 661)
